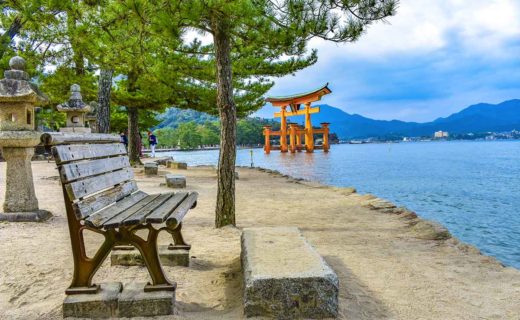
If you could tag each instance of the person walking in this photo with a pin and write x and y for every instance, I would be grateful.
(123, 139)
(152, 140)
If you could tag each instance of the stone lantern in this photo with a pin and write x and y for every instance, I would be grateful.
(91, 117)
(76, 110)
(18, 98)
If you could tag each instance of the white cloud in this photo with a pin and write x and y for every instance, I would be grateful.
(423, 26)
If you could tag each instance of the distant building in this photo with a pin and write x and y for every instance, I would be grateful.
(440, 134)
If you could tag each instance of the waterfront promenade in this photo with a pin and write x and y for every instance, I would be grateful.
(386, 270)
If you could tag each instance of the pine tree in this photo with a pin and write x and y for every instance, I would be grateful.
(254, 39)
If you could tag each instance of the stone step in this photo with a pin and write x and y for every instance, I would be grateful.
(285, 277)
(175, 181)
(168, 257)
(115, 300)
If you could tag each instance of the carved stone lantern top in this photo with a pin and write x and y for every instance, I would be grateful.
(15, 87)
(75, 102)
(18, 98)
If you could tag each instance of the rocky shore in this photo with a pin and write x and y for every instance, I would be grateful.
(391, 264)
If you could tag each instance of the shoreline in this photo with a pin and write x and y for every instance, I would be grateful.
(386, 267)
(425, 229)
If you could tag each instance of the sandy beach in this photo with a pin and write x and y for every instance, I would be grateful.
(388, 265)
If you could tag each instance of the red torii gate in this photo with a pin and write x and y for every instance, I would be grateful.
(295, 102)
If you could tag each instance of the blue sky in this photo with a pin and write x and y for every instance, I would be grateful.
(434, 58)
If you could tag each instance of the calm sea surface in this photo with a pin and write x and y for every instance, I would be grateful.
(473, 188)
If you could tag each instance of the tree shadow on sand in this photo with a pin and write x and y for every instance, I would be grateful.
(356, 300)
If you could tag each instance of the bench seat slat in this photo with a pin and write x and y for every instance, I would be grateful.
(99, 218)
(160, 214)
(68, 153)
(84, 169)
(183, 208)
(83, 188)
(116, 220)
(84, 208)
(139, 216)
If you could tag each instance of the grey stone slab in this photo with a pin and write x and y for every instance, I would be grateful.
(285, 277)
(169, 258)
(151, 168)
(175, 181)
(135, 302)
(102, 304)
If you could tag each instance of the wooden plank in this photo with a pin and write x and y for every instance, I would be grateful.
(139, 216)
(88, 206)
(69, 153)
(117, 219)
(85, 187)
(183, 208)
(160, 214)
(99, 218)
(56, 138)
(79, 170)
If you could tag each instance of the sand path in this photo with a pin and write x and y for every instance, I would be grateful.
(385, 271)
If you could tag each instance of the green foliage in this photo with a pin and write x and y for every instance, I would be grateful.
(167, 137)
(189, 137)
(119, 119)
(209, 133)
(50, 118)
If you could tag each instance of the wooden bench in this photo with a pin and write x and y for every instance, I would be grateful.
(101, 196)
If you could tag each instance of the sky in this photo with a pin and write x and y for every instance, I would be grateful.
(432, 59)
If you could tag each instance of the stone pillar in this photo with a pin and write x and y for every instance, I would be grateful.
(19, 191)
(267, 134)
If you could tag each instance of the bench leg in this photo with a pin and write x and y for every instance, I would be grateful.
(150, 254)
(178, 240)
(85, 267)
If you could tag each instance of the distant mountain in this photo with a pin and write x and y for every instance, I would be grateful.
(477, 118)
(481, 117)
(174, 116)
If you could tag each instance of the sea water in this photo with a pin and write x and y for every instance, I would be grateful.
(471, 187)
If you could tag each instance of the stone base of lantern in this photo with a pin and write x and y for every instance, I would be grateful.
(20, 203)
(76, 129)
(34, 216)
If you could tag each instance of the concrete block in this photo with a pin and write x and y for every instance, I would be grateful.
(175, 181)
(170, 258)
(285, 277)
(179, 165)
(163, 161)
(151, 169)
(169, 163)
(102, 304)
(134, 302)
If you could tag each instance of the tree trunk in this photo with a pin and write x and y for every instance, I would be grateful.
(8, 36)
(134, 138)
(225, 210)
(103, 111)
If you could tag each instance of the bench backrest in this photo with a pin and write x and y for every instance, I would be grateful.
(94, 175)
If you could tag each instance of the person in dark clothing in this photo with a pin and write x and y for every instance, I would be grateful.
(152, 140)
(123, 139)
